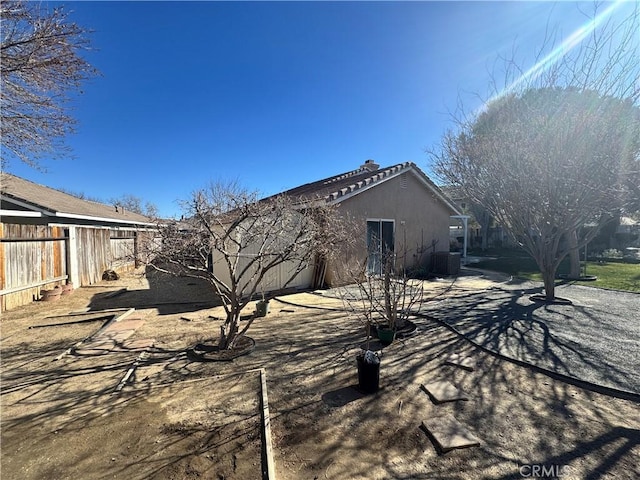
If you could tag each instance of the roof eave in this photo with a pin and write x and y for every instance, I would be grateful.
(334, 197)
(26, 204)
(90, 218)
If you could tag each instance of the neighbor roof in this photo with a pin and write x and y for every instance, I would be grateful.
(340, 187)
(24, 196)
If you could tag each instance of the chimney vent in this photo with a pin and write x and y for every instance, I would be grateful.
(370, 165)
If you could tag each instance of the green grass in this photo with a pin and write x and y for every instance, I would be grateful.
(614, 275)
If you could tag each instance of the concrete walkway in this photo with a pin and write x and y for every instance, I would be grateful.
(115, 337)
(597, 339)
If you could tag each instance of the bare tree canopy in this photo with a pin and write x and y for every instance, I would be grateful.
(41, 65)
(234, 241)
(557, 149)
(135, 204)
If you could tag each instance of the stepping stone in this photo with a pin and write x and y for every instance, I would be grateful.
(442, 391)
(99, 346)
(463, 362)
(115, 336)
(135, 345)
(102, 346)
(448, 433)
(129, 324)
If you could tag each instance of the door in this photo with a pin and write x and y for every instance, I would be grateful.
(380, 243)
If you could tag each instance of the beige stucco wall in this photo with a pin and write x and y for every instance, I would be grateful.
(421, 220)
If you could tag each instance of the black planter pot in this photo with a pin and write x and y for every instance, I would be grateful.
(368, 375)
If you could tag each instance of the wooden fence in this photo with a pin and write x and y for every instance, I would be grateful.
(31, 257)
(36, 257)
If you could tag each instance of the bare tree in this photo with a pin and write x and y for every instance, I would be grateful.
(41, 65)
(552, 160)
(135, 204)
(235, 241)
(558, 148)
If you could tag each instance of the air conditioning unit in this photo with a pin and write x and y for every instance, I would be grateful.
(445, 263)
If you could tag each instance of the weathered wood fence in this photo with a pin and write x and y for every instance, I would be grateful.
(35, 257)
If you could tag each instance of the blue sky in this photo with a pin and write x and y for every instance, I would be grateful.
(277, 94)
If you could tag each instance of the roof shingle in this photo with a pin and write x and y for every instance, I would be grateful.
(47, 199)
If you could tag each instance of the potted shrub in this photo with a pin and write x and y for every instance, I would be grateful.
(391, 295)
(385, 301)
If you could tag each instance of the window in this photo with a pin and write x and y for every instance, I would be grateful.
(380, 242)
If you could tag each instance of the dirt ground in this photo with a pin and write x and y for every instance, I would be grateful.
(179, 419)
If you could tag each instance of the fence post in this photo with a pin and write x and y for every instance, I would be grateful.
(72, 258)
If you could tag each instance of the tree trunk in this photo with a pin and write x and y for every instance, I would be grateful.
(549, 279)
(574, 255)
(485, 239)
(229, 332)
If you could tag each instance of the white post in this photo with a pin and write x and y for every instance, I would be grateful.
(465, 220)
(73, 273)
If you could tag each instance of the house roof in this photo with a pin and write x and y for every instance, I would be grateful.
(28, 199)
(340, 187)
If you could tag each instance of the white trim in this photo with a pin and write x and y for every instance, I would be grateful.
(465, 227)
(20, 213)
(35, 212)
(102, 219)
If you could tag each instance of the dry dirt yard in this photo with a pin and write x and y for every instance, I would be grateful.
(177, 419)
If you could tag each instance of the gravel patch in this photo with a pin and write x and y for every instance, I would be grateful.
(597, 339)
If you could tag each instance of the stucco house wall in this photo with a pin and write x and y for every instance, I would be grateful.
(421, 221)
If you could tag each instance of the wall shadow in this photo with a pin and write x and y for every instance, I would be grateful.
(167, 293)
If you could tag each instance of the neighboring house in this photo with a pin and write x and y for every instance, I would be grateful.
(48, 237)
(629, 226)
(482, 232)
(399, 209)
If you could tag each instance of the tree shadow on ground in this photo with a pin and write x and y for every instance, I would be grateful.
(506, 321)
(320, 426)
(522, 417)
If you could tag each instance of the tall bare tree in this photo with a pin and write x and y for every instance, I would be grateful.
(558, 147)
(41, 66)
(235, 242)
